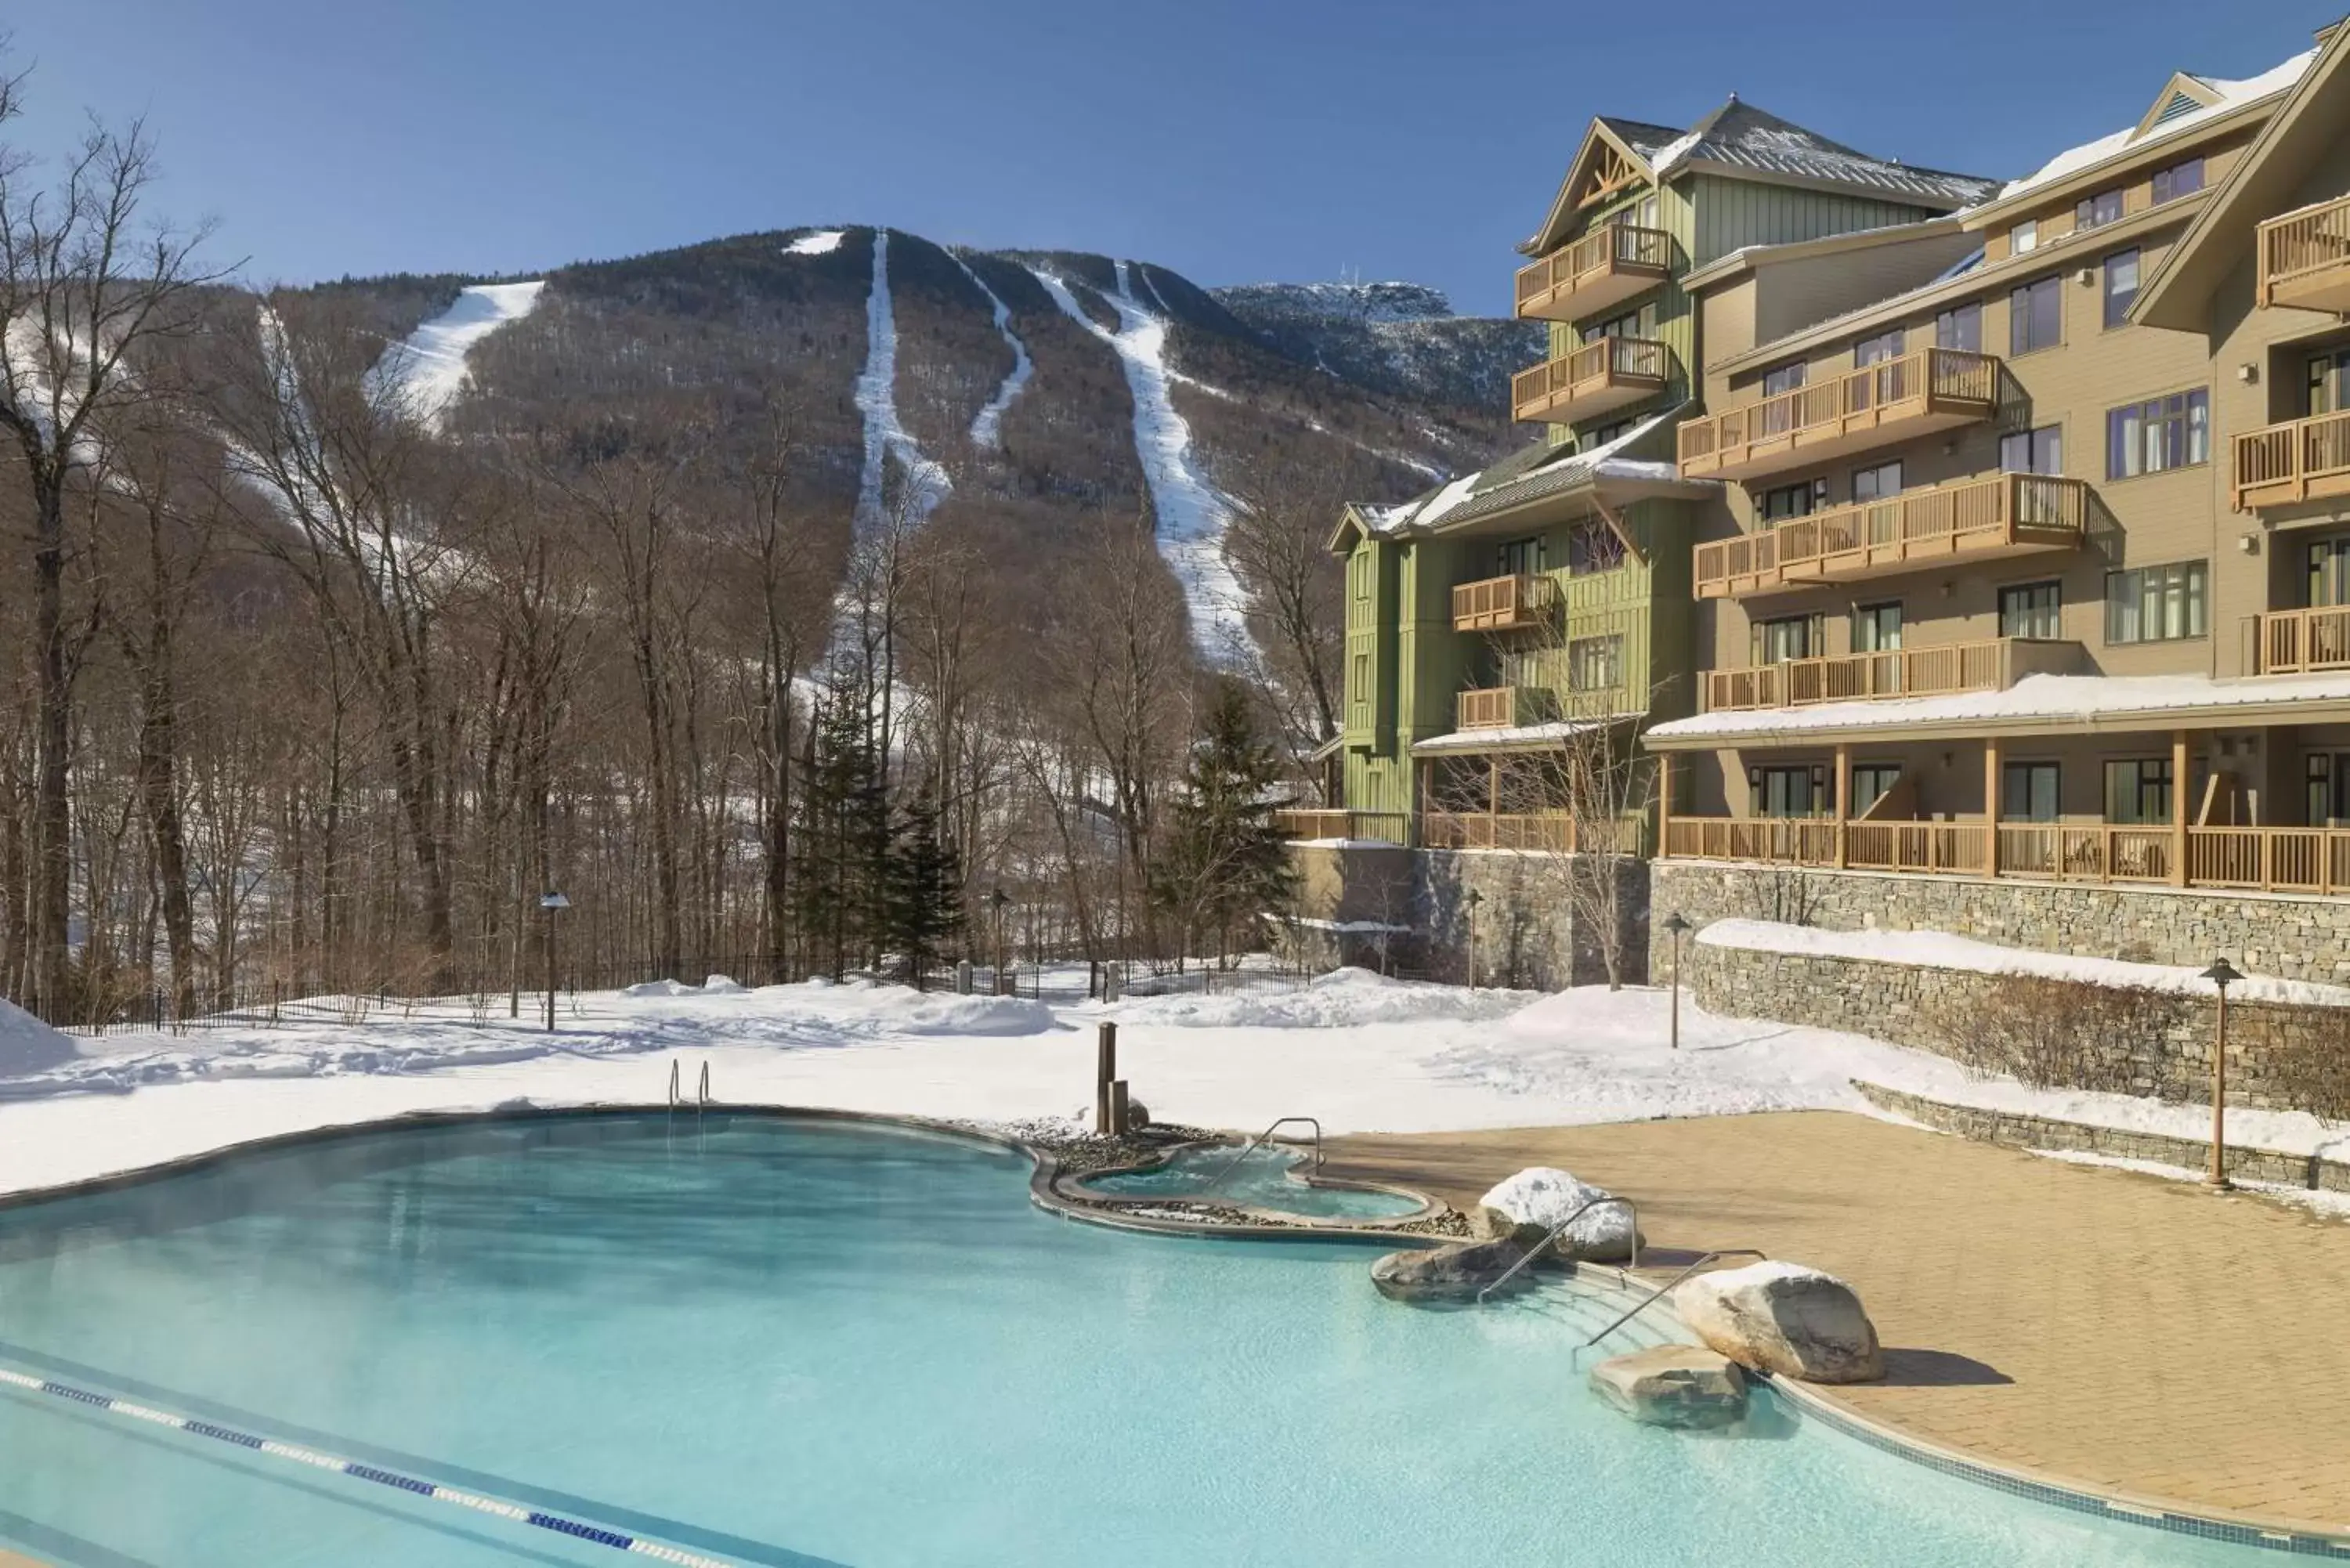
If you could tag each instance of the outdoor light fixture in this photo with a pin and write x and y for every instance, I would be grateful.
(554, 904)
(2221, 974)
(1675, 924)
(1474, 899)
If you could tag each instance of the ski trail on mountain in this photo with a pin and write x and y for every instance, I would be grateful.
(1191, 515)
(987, 430)
(886, 435)
(428, 369)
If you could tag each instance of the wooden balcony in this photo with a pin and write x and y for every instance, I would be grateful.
(1596, 378)
(1552, 831)
(2301, 460)
(2305, 257)
(1503, 707)
(1994, 665)
(2302, 641)
(1379, 827)
(1975, 519)
(1603, 269)
(1504, 603)
(1892, 400)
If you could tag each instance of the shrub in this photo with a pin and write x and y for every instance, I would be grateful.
(2062, 1034)
(2304, 1060)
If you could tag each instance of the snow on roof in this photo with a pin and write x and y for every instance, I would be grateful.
(1515, 734)
(1522, 477)
(2232, 95)
(1740, 136)
(2052, 697)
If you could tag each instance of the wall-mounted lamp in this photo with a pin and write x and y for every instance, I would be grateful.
(2250, 543)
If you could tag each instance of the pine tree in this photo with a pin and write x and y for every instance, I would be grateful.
(924, 911)
(1226, 863)
(841, 846)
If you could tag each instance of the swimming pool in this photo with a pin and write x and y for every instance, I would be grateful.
(805, 1343)
(1258, 1178)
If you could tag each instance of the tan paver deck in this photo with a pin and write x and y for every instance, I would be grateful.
(2094, 1325)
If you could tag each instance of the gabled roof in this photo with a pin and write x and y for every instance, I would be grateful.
(1610, 472)
(1740, 141)
(2310, 121)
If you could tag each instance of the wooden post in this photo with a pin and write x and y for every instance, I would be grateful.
(1120, 1107)
(1991, 807)
(1843, 800)
(2178, 809)
(1493, 801)
(1663, 804)
(2219, 1173)
(1105, 1071)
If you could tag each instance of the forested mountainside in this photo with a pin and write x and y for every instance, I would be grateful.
(1400, 338)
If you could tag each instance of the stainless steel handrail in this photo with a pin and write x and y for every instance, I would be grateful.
(1658, 1294)
(1560, 1229)
(672, 1080)
(701, 1094)
(1264, 1138)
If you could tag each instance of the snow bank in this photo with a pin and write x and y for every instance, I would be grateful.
(1942, 949)
(429, 369)
(822, 243)
(1343, 999)
(1544, 1196)
(722, 985)
(27, 1044)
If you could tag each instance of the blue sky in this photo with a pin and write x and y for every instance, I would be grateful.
(1235, 140)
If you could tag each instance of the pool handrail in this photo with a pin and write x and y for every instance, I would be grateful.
(1658, 1294)
(1560, 1229)
(1265, 1138)
(701, 1094)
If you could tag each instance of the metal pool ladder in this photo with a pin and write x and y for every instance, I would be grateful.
(1645, 1302)
(701, 1092)
(1559, 1229)
(1261, 1138)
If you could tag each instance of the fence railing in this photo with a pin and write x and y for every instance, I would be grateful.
(2298, 641)
(1385, 827)
(2283, 463)
(1609, 251)
(1502, 604)
(1986, 666)
(1639, 364)
(1872, 538)
(1923, 381)
(2302, 247)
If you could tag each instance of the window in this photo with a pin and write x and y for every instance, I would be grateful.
(2178, 179)
(2329, 379)
(1362, 574)
(1777, 641)
(1794, 500)
(1633, 325)
(1600, 435)
(1872, 782)
(1359, 681)
(1594, 663)
(1785, 378)
(2329, 573)
(2024, 236)
(2327, 801)
(2027, 792)
(2160, 433)
(2138, 791)
(2121, 286)
(1520, 557)
(2035, 316)
(1876, 483)
(1875, 350)
(2038, 450)
(1779, 418)
(1960, 326)
(2156, 604)
(1876, 628)
(2095, 212)
(2031, 610)
(1800, 790)
(1593, 546)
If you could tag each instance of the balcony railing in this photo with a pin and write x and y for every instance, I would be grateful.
(1992, 665)
(2301, 460)
(1502, 706)
(2302, 641)
(2305, 257)
(1504, 604)
(1596, 378)
(1552, 831)
(1382, 827)
(2006, 514)
(1604, 268)
(1893, 400)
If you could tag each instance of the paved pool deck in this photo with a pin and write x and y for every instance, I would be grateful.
(2096, 1327)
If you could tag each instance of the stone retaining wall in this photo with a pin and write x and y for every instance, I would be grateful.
(2293, 938)
(2015, 1129)
(2270, 1045)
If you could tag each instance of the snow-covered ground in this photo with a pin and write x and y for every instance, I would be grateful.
(429, 368)
(819, 242)
(1360, 1053)
(987, 429)
(886, 435)
(1193, 515)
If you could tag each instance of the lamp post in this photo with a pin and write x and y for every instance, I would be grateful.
(998, 901)
(1475, 899)
(2221, 974)
(552, 903)
(1677, 926)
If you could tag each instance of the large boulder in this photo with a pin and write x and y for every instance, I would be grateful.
(1535, 1202)
(1453, 1273)
(1673, 1385)
(1782, 1318)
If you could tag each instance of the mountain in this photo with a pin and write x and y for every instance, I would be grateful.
(1027, 391)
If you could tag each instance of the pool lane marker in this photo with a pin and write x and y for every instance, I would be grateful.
(357, 1471)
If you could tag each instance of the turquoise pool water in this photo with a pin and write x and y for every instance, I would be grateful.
(804, 1344)
(1258, 1180)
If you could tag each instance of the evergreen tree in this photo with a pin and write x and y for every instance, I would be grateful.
(1226, 863)
(841, 848)
(924, 911)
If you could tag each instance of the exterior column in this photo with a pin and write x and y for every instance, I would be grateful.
(2178, 808)
(1663, 804)
(1843, 800)
(1991, 807)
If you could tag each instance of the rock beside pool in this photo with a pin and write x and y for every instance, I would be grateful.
(1535, 1202)
(1683, 1386)
(1454, 1273)
(1782, 1318)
